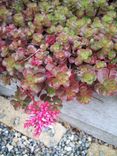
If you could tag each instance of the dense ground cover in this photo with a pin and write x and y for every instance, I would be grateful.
(58, 50)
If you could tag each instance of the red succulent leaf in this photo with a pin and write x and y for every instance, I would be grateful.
(50, 39)
(60, 92)
(70, 94)
(113, 74)
(36, 62)
(48, 60)
(50, 48)
(10, 28)
(102, 74)
(2, 69)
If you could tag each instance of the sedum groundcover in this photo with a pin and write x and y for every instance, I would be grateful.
(57, 50)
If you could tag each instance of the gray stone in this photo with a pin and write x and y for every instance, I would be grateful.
(89, 139)
(71, 137)
(87, 145)
(18, 135)
(77, 152)
(67, 141)
(9, 154)
(24, 137)
(47, 139)
(83, 153)
(72, 144)
(80, 142)
(10, 147)
(68, 148)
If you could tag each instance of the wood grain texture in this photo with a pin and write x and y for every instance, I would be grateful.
(98, 119)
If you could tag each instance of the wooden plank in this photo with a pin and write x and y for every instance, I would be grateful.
(98, 119)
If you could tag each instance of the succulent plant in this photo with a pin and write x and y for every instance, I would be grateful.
(84, 54)
(100, 64)
(85, 94)
(58, 50)
(60, 79)
(108, 88)
(36, 38)
(18, 19)
(10, 64)
(4, 12)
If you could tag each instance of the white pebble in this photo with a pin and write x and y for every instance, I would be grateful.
(89, 139)
(9, 147)
(68, 148)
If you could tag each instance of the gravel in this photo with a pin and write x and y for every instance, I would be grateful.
(13, 143)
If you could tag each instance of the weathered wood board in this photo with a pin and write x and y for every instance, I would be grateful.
(97, 118)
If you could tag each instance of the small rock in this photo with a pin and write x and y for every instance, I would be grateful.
(77, 153)
(6, 132)
(9, 154)
(68, 141)
(24, 137)
(87, 145)
(80, 142)
(10, 147)
(68, 148)
(71, 144)
(46, 139)
(18, 135)
(83, 153)
(71, 137)
(89, 139)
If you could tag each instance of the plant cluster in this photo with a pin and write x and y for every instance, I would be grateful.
(41, 115)
(59, 49)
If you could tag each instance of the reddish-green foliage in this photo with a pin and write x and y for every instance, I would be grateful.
(59, 49)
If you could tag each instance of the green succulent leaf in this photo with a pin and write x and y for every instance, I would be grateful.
(51, 91)
(85, 54)
(89, 78)
(18, 19)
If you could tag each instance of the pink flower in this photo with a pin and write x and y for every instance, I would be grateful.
(41, 116)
